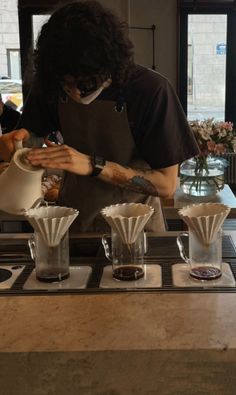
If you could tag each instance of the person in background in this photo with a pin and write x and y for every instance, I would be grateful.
(9, 117)
(124, 130)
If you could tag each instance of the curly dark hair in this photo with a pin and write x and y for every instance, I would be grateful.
(82, 39)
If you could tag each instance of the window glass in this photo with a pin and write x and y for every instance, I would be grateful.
(10, 71)
(13, 60)
(206, 66)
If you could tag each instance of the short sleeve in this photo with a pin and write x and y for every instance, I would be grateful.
(161, 130)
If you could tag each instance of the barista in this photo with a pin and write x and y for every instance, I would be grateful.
(123, 127)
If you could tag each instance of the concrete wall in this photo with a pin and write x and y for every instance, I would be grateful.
(120, 7)
(9, 31)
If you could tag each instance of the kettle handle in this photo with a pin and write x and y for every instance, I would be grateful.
(18, 144)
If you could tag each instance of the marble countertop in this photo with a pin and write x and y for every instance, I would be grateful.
(118, 322)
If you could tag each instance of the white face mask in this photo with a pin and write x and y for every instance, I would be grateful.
(92, 96)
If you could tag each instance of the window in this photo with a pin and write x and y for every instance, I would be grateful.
(13, 63)
(190, 73)
(206, 66)
(10, 64)
(207, 55)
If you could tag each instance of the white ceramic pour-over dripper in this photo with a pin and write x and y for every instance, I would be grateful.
(20, 183)
(205, 219)
(127, 219)
(52, 222)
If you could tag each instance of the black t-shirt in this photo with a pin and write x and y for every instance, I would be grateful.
(156, 118)
(9, 119)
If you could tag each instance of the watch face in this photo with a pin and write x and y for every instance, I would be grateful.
(99, 161)
(98, 164)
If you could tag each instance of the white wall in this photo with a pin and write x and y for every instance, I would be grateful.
(120, 7)
(145, 13)
(163, 14)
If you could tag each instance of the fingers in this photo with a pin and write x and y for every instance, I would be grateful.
(49, 143)
(51, 152)
(7, 148)
(52, 156)
(21, 134)
(59, 166)
(60, 157)
(53, 147)
(7, 142)
(46, 161)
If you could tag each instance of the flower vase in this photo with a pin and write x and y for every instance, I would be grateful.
(202, 176)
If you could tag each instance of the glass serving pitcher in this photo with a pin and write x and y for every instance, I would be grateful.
(205, 260)
(51, 262)
(127, 259)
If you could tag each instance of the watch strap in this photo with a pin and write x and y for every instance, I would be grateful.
(98, 163)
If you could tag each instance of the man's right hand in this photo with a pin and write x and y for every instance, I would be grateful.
(7, 143)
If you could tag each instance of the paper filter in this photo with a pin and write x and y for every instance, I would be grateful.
(51, 222)
(127, 219)
(205, 219)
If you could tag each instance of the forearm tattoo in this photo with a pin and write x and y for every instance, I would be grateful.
(137, 183)
(140, 184)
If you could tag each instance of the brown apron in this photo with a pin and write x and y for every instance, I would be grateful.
(98, 128)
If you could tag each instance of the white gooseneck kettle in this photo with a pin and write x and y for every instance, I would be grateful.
(20, 183)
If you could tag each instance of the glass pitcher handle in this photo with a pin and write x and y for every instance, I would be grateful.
(31, 244)
(145, 242)
(181, 246)
(106, 247)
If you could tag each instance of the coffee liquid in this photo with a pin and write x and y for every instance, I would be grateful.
(128, 273)
(205, 273)
(52, 279)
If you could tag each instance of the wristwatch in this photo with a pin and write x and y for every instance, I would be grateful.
(98, 163)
